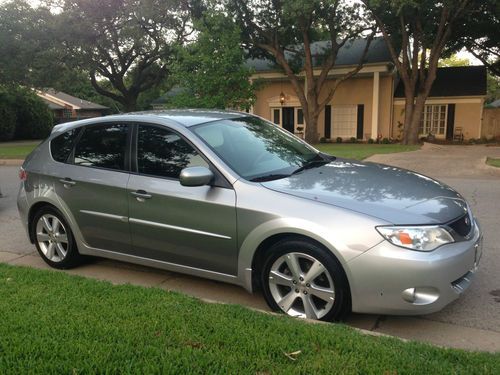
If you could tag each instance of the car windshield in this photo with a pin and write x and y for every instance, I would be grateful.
(255, 149)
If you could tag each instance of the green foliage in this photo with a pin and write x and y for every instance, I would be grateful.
(25, 42)
(454, 60)
(34, 118)
(211, 70)
(31, 117)
(353, 140)
(124, 329)
(371, 141)
(492, 88)
(339, 139)
(477, 31)
(7, 116)
(125, 45)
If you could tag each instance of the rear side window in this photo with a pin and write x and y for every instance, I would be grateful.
(61, 146)
(163, 153)
(102, 146)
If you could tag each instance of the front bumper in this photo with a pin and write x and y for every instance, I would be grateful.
(391, 280)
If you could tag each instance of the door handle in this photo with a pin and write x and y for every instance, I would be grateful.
(67, 182)
(141, 195)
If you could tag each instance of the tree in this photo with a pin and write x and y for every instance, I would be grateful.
(285, 32)
(479, 33)
(24, 39)
(126, 43)
(211, 70)
(7, 115)
(416, 33)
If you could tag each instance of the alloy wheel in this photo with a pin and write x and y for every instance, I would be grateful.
(301, 286)
(52, 238)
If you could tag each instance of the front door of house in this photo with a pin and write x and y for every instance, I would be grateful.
(288, 119)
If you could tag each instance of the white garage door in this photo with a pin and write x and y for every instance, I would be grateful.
(344, 121)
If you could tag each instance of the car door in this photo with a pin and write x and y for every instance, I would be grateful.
(190, 226)
(93, 184)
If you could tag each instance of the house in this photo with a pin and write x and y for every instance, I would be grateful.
(69, 108)
(371, 104)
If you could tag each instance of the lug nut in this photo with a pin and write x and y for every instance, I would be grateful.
(294, 281)
(296, 290)
(305, 291)
(301, 278)
(308, 285)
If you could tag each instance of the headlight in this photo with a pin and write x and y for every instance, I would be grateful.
(422, 238)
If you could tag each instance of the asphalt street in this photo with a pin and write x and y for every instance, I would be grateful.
(460, 167)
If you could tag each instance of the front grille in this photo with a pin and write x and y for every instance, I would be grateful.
(463, 225)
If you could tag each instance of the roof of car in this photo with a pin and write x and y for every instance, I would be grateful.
(190, 117)
(182, 117)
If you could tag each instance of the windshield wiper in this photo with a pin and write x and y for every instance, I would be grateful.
(269, 177)
(318, 160)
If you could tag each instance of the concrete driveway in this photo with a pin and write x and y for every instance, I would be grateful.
(472, 322)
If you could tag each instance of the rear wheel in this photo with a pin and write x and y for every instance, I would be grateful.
(303, 280)
(54, 240)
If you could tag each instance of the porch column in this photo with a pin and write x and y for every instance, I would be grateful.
(375, 100)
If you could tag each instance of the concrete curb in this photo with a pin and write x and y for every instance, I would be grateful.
(11, 162)
(403, 328)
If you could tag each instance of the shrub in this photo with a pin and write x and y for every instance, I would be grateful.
(339, 139)
(353, 140)
(7, 117)
(371, 141)
(322, 140)
(386, 141)
(34, 118)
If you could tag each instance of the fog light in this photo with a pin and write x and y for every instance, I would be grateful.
(420, 295)
(409, 295)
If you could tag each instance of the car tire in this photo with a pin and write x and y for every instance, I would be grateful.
(302, 279)
(54, 239)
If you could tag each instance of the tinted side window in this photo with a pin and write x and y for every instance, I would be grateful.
(61, 146)
(102, 146)
(163, 153)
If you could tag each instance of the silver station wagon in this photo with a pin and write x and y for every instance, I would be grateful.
(231, 197)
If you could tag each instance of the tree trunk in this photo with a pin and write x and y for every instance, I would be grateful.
(408, 119)
(418, 109)
(129, 103)
(311, 134)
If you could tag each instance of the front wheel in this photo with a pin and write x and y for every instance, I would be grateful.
(303, 280)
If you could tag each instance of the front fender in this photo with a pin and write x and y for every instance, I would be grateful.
(297, 226)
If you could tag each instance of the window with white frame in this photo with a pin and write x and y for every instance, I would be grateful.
(433, 119)
(344, 120)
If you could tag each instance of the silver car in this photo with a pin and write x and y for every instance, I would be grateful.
(231, 197)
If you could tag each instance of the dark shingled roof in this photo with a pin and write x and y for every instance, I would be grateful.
(83, 104)
(455, 81)
(349, 54)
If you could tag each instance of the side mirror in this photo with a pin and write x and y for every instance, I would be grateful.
(196, 176)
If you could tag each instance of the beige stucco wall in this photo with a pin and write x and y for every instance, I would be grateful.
(467, 115)
(351, 92)
(490, 127)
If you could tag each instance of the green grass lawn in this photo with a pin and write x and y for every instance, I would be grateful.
(53, 323)
(493, 162)
(362, 151)
(17, 150)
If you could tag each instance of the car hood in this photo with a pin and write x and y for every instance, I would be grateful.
(395, 195)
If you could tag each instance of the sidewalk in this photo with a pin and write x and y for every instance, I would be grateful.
(411, 328)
